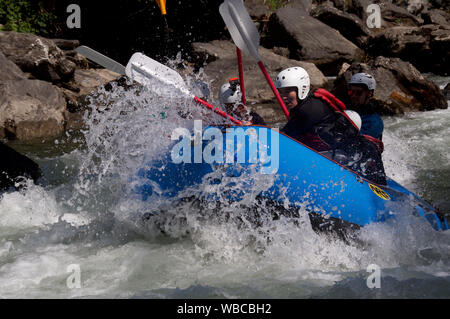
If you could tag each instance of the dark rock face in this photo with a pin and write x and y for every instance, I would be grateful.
(394, 15)
(400, 86)
(310, 40)
(37, 55)
(348, 24)
(435, 16)
(426, 47)
(13, 166)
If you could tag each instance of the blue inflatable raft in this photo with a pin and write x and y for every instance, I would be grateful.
(301, 176)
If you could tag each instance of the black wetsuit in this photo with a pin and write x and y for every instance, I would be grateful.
(317, 125)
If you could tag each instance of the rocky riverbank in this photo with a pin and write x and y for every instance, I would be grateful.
(44, 82)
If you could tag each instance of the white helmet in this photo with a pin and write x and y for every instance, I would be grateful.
(364, 78)
(295, 76)
(230, 93)
(354, 116)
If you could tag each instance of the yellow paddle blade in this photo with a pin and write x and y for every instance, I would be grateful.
(162, 6)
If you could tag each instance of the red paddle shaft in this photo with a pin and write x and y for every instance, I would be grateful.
(275, 91)
(241, 74)
(216, 110)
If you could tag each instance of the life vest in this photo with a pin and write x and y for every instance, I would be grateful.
(333, 102)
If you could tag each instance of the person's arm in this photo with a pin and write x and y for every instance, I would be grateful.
(372, 125)
(257, 119)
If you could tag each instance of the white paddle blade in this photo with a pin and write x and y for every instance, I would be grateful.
(241, 27)
(156, 76)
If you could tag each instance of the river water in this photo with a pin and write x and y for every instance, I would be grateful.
(81, 233)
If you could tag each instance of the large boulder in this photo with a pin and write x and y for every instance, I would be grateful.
(436, 16)
(426, 47)
(394, 15)
(28, 108)
(309, 39)
(348, 24)
(38, 56)
(400, 86)
(9, 71)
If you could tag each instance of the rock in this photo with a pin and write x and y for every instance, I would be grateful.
(310, 40)
(395, 15)
(343, 69)
(37, 55)
(348, 24)
(14, 165)
(417, 6)
(400, 86)
(79, 60)
(30, 109)
(8, 70)
(64, 44)
(281, 51)
(257, 9)
(359, 7)
(304, 5)
(426, 47)
(436, 16)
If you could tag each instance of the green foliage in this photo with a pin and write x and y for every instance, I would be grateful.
(25, 16)
(275, 4)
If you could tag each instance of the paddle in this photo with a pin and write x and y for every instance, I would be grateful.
(164, 80)
(101, 59)
(246, 37)
(147, 71)
(241, 74)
